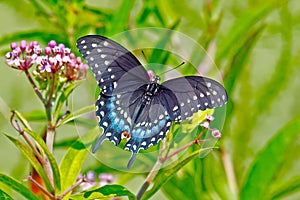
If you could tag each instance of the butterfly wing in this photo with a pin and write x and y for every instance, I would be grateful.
(114, 67)
(122, 80)
(184, 96)
(151, 127)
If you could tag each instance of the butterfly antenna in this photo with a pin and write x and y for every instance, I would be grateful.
(172, 68)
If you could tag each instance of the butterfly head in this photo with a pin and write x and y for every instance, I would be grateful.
(155, 79)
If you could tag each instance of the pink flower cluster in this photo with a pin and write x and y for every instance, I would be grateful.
(206, 124)
(52, 59)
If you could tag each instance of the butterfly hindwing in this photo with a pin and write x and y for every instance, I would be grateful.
(190, 94)
(149, 129)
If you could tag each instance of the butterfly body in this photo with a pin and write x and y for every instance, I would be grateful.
(132, 105)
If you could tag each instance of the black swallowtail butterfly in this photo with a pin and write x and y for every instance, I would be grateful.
(133, 105)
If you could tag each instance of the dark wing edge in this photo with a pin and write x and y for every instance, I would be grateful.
(185, 96)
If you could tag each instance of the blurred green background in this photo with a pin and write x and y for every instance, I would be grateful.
(256, 46)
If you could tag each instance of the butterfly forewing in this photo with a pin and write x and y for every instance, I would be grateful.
(111, 62)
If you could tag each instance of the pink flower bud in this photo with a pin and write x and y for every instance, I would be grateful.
(205, 125)
(209, 118)
(72, 56)
(78, 60)
(82, 66)
(52, 44)
(216, 133)
(90, 176)
(47, 50)
(61, 46)
(23, 45)
(13, 45)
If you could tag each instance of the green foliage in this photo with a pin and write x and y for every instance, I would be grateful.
(105, 192)
(272, 158)
(75, 157)
(255, 46)
(17, 186)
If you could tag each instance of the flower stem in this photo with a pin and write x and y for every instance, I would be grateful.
(149, 178)
(161, 160)
(71, 188)
(229, 170)
(52, 87)
(51, 196)
(50, 128)
(196, 141)
(35, 88)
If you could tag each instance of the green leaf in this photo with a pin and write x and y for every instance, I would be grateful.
(283, 68)
(63, 97)
(35, 115)
(17, 186)
(22, 120)
(264, 168)
(158, 54)
(75, 157)
(76, 114)
(65, 143)
(286, 189)
(105, 192)
(32, 159)
(241, 27)
(49, 155)
(165, 174)
(240, 58)
(5, 196)
(120, 18)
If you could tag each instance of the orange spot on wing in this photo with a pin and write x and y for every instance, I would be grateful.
(126, 134)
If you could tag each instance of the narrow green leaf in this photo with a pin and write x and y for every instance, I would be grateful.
(63, 97)
(49, 155)
(105, 192)
(5, 196)
(65, 143)
(22, 120)
(75, 157)
(32, 159)
(76, 114)
(264, 168)
(36, 115)
(240, 58)
(17, 186)
(241, 27)
(283, 68)
(286, 189)
(121, 17)
(158, 54)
